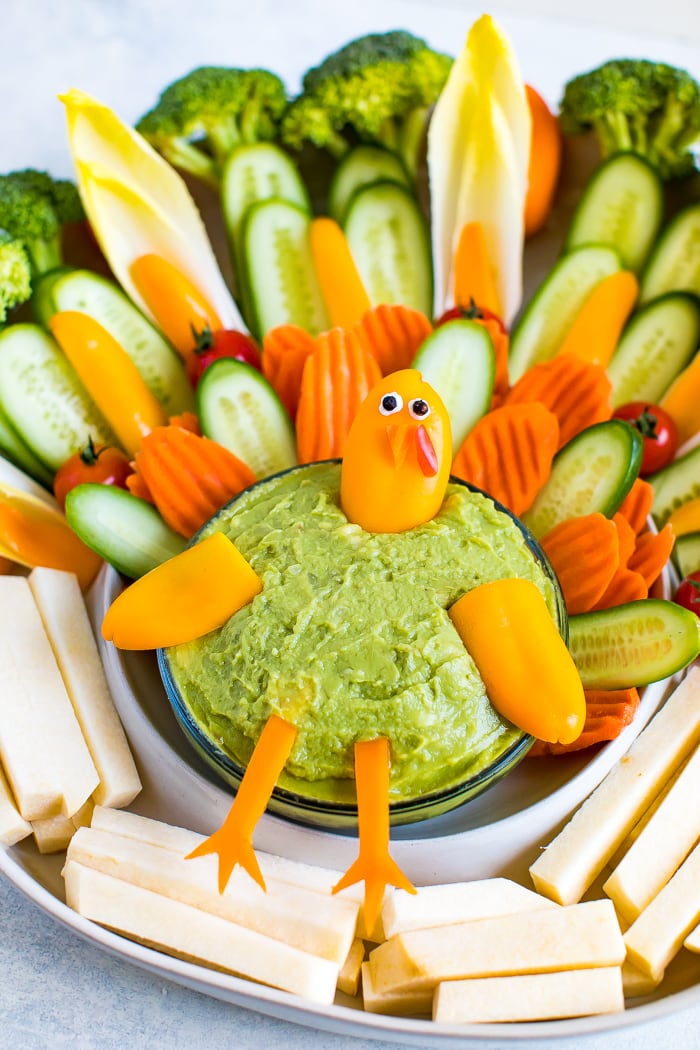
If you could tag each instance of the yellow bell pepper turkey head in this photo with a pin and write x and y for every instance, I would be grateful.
(398, 454)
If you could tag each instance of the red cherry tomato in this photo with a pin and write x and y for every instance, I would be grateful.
(225, 342)
(688, 593)
(469, 313)
(102, 464)
(658, 430)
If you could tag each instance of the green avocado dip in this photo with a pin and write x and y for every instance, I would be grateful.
(350, 639)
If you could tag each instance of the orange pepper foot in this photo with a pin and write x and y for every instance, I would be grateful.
(232, 848)
(377, 872)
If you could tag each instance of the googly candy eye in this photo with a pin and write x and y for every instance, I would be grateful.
(390, 404)
(418, 408)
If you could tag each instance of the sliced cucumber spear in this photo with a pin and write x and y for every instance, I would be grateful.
(126, 531)
(459, 362)
(633, 644)
(592, 472)
(43, 398)
(239, 409)
(362, 166)
(674, 264)
(675, 485)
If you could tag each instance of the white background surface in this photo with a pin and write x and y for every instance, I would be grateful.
(57, 990)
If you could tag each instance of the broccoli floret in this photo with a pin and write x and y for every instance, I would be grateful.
(33, 209)
(15, 274)
(378, 88)
(200, 119)
(648, 107)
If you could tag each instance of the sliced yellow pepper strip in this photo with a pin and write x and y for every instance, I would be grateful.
(184, 598)
(180, 310)
(374, 865)
(344, 293)
(529, 674)
(34, 534)
(681, 401)
(233, 842)
(110, 377)
(686, 518)
(598, 325)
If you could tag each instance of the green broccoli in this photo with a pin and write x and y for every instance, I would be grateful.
(633, 104)
(34, 207)
(200, 119)
(378, 88)
(15, 274)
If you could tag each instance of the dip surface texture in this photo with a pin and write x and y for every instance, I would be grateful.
(350, 638)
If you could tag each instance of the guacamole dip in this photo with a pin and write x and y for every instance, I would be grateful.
(350, 638)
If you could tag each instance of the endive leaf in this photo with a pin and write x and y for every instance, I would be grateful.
(481, 124)
(137, 204)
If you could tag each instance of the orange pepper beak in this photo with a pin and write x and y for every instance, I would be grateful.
(404, 439)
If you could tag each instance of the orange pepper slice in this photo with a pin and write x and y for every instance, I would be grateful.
(341, 285)
(184, 598)
(176, 304)
(529, 674)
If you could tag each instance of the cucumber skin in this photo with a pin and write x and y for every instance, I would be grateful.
(675, 629)
(686, 553)
(93, 512)
(360, 167)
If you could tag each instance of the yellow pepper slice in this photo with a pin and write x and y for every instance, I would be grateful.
(34, 534)
(180, 309)
(529, 674)
(110, 377)
(184, 598)
(681, 401)
(344, 293)
(685, 518)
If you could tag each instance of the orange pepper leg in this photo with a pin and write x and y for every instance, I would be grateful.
(373, 864)
(233, 842)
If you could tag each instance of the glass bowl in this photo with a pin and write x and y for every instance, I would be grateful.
(331, 803)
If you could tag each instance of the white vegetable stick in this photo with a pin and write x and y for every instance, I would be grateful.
(657, 935)
(189, 933)
(531, 997)
(457, 902)
(400, 1004)
(692, 941)
(580, 936)
(661, 847)
(82, 818)
(42, 749)
(349, 976)
(320, 924)
(65, 618)
(636, 984)
(53, 834)
(569, 865)
(13, 827)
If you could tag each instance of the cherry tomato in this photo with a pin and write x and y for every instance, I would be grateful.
(688, 593)
(469, 313)
(102, 464)
(658, 430)
(225, 342)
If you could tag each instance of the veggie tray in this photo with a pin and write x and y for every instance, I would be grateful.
(499, 834)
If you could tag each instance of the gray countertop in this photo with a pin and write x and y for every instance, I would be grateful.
(57, 989)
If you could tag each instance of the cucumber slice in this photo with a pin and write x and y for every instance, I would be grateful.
(158, 364)
(540, 331)
(459, 362)
(12, 447)
(255, 173)
(622, 206)
(675, 485)
(654, 349)
(280, 274)
(686, 553)
(674, 264)
(592, 472)
(633, 644)
(389, 241)
(362, 166)
(126, 531)
(43, 398)
(239, 409)
(41, 302)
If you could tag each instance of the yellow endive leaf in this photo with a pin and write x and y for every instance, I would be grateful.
(137, 204)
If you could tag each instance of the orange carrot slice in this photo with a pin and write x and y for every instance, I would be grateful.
(651, 554)
(392, 333)
(576, 391)
(509, 452)
(627, 585)
(189, 477)
(598, 325)
(626, 536)
(136, 484)
(636, 506)
(608, 711)
(474, 279)
(545, 162)
(341, 285)
(584, 553)
(286, 349)
(337, 377)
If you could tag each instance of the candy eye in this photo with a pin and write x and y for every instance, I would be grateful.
(390, 404)
(418, 408)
